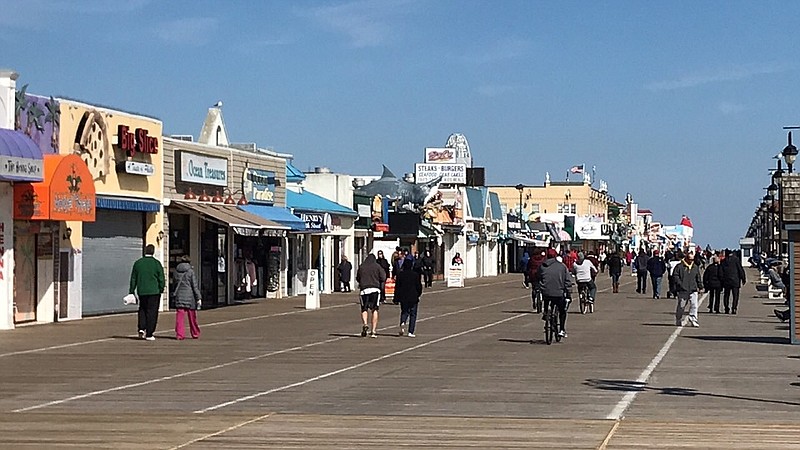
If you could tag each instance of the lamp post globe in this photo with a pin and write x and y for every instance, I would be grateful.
(772, 190)
(790, 153)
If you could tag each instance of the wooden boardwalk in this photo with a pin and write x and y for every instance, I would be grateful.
(272, 375)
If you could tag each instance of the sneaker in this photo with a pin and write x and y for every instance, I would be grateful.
(402, 329)
(141, 334)
(562, 333)
(150, 338)
(373, 335)
(694, 324)
(525, 285)
(411, 335)
(364, 330)
(780, 315)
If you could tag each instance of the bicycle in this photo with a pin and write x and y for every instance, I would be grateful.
(551, 323)
(536, 300)
(586, 302)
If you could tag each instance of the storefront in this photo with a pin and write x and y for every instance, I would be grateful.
(123, 154)
(237, 252)
(329, 233)
(21, 163)
(42, 212)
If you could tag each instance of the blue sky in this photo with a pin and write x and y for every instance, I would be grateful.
(680, 103)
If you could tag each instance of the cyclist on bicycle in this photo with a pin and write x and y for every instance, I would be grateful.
(555, 283)
(533, 272)
(585, 271)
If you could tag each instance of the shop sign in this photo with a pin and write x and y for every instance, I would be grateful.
(316, 222)
(201, 169)
(136, 142)
(6, 230)
(136, 168)
(23, 169)
(455, 276)
(450, 173)
(312, 291)
(259, 186)
(440, 155)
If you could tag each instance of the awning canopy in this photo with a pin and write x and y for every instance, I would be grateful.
(21, 157)
(309, 202)
(67, 192)
(276, 214)
(242, 222)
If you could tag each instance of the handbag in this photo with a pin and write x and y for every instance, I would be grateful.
(129, 299)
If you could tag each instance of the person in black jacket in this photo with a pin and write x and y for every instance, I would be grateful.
(640, 264)
(345, 270)
(732, 278)
(614, 262)
(656, 268)
(427, 268)
(407, 292)
(381, 260)
(712, 281)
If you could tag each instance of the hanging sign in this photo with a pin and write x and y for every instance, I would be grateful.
(259, 186)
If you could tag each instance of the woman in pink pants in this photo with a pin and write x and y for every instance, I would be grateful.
(187, 299)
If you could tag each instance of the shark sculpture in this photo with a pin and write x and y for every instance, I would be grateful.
(410, 196)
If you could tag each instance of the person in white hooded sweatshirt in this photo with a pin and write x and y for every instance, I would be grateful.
(584, 272)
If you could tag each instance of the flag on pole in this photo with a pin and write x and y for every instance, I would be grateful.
(576, 169)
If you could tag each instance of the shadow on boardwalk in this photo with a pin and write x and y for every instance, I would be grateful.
(747, 339)
(636, 386)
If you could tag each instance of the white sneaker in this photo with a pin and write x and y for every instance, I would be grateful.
(402, 329)
(694, 324)
(562, 333)
(150, 338)
(373, 335)
(411, 335)
(141, 334)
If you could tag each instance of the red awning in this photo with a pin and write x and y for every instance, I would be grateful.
(67, 192)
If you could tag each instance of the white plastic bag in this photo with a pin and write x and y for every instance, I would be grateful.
(129, 299)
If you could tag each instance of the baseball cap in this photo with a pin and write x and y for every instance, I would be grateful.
(551, 253)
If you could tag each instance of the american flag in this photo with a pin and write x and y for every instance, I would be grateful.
(576, 169)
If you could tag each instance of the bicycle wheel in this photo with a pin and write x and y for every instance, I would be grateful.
(583, 303)
(548, 331)
(554, 326)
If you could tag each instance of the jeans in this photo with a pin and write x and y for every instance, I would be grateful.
(408, 313)
(615, 277)
(683, 299)
(561, 304)
(148, 313)
(656, 285)
(641, 281)
(180, 328)
(728, 291)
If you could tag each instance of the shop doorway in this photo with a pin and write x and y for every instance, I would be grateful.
(213, 274)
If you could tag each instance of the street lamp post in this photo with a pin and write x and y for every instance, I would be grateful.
(771, 222)
(520, 187)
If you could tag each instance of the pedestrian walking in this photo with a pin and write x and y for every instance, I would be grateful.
(428, 263)
(370, 277)
(602, 258)
(733, 277)
(523, 264)
(688, 283)
(407, 292)
(712, 281)
(614, 262)
(345, 270)
(186, 294)
(384, 264)
(640, 266)
(656, 267)
(147, 281)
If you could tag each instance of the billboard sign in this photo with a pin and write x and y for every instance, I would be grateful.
(440, 155)
(450, 173)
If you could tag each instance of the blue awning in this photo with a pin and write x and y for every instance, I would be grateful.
(276, 214)
(293, 174)
(310, 202)
(126, 204)
(21, 157)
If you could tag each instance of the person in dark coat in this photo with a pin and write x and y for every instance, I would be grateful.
(371, 278)
(384, 263)
(640, 264)
(428, 264)
(614, 262)
(656, 267)
(147, 281)
(712, 281)
(407, 292)
(187, 299)
(345, 272)
(733, 277)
